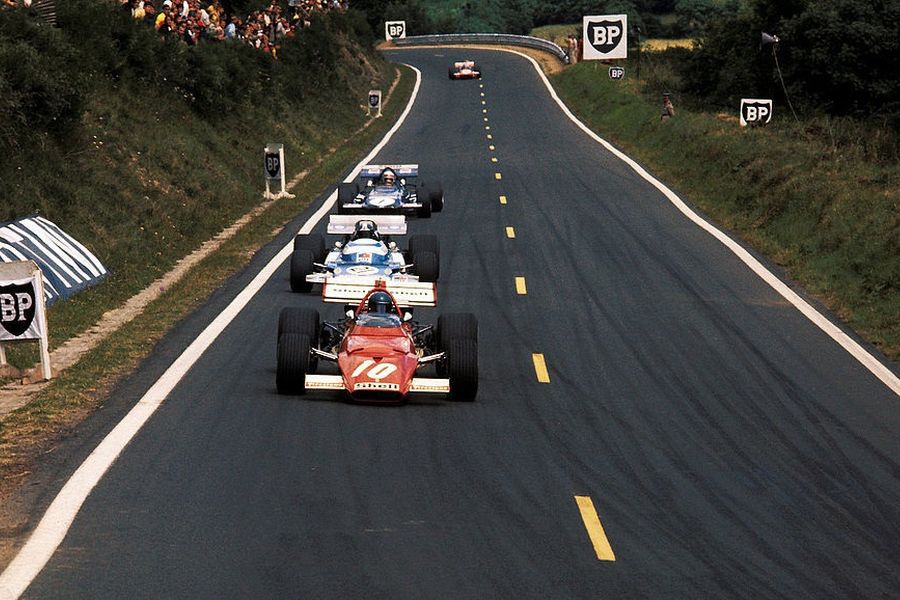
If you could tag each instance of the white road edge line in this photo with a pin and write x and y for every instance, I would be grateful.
(60, 515)
(846, 342)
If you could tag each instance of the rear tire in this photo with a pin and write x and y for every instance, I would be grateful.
(426, 265)
(436, 195)
(347, 192)
(450, 73)
(424, 211)
(346, 195)
(462, 368)
(425, 242)
(301, 265)
(293, 364)
(313, 242)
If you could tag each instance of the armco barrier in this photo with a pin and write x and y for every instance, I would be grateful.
(450, 39)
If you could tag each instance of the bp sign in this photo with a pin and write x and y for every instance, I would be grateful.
(394, 30)
(17, 309)
(273, 164)
(605, 37)
(755, 111)
(616, 73)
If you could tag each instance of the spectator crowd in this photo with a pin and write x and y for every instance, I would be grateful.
(205, 20)
(195, 21)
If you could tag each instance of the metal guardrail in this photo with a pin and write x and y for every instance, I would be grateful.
(485, 38)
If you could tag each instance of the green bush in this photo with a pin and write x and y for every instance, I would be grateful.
(39, 88)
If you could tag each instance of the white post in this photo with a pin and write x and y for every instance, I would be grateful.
(3, 362)
(40, 300)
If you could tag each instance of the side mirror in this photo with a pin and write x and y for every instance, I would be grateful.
(407, 316)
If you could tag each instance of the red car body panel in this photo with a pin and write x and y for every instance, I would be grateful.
(378, 363)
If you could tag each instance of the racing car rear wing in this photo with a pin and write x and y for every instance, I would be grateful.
(386, 224)
(345, 290)
(370, 171)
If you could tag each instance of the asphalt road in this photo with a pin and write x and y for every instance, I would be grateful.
(728, 446)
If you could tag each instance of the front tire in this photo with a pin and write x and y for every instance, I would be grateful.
(462, 368)
(293, 364)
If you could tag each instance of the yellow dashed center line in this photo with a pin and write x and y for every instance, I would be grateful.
(483, 102)
(490, 137)
(540, 368)
(493, 159)
(491, 147)
(484, 110)
(511, 234)
(485, 119)
(594, 528)
(487, 127)
(498, 176)
(482, 93)
(520, 287)
(502, 199)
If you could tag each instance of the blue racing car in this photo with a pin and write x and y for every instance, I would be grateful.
(390, 189)
(366, 252)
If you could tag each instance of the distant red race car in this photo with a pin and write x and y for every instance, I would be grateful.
(378, 348)
(465, 69)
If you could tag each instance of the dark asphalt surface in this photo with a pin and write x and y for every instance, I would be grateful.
(731, 449)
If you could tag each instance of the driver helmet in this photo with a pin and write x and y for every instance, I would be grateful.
(388, 177)
(381, 302)
(366, 229)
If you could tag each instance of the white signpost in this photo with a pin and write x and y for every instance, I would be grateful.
(755, 111)
(273, 165)
(394, 30)
(23, 315)
(605, 37)
(373, 103)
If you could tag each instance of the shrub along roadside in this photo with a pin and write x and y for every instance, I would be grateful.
(825, 212)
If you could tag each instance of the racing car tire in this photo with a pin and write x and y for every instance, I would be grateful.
(347, 193)
(456, 326)
(436, 195)
(304, 321)
(301, 265)
(450, 72)
(425, 242)
(462, 368)
(422, 195)
(293, 364)
(426, 265)
(314, 242)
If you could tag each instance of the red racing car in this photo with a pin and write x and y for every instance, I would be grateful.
(377, 347)
(465, 69)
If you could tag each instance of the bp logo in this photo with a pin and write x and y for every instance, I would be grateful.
(273, 165)
(394, 30)
(617, 73)
(605, 37)
(17, 306)
(755, 111)
(374, 99)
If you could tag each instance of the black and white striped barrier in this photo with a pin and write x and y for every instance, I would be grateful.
(68, 266)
